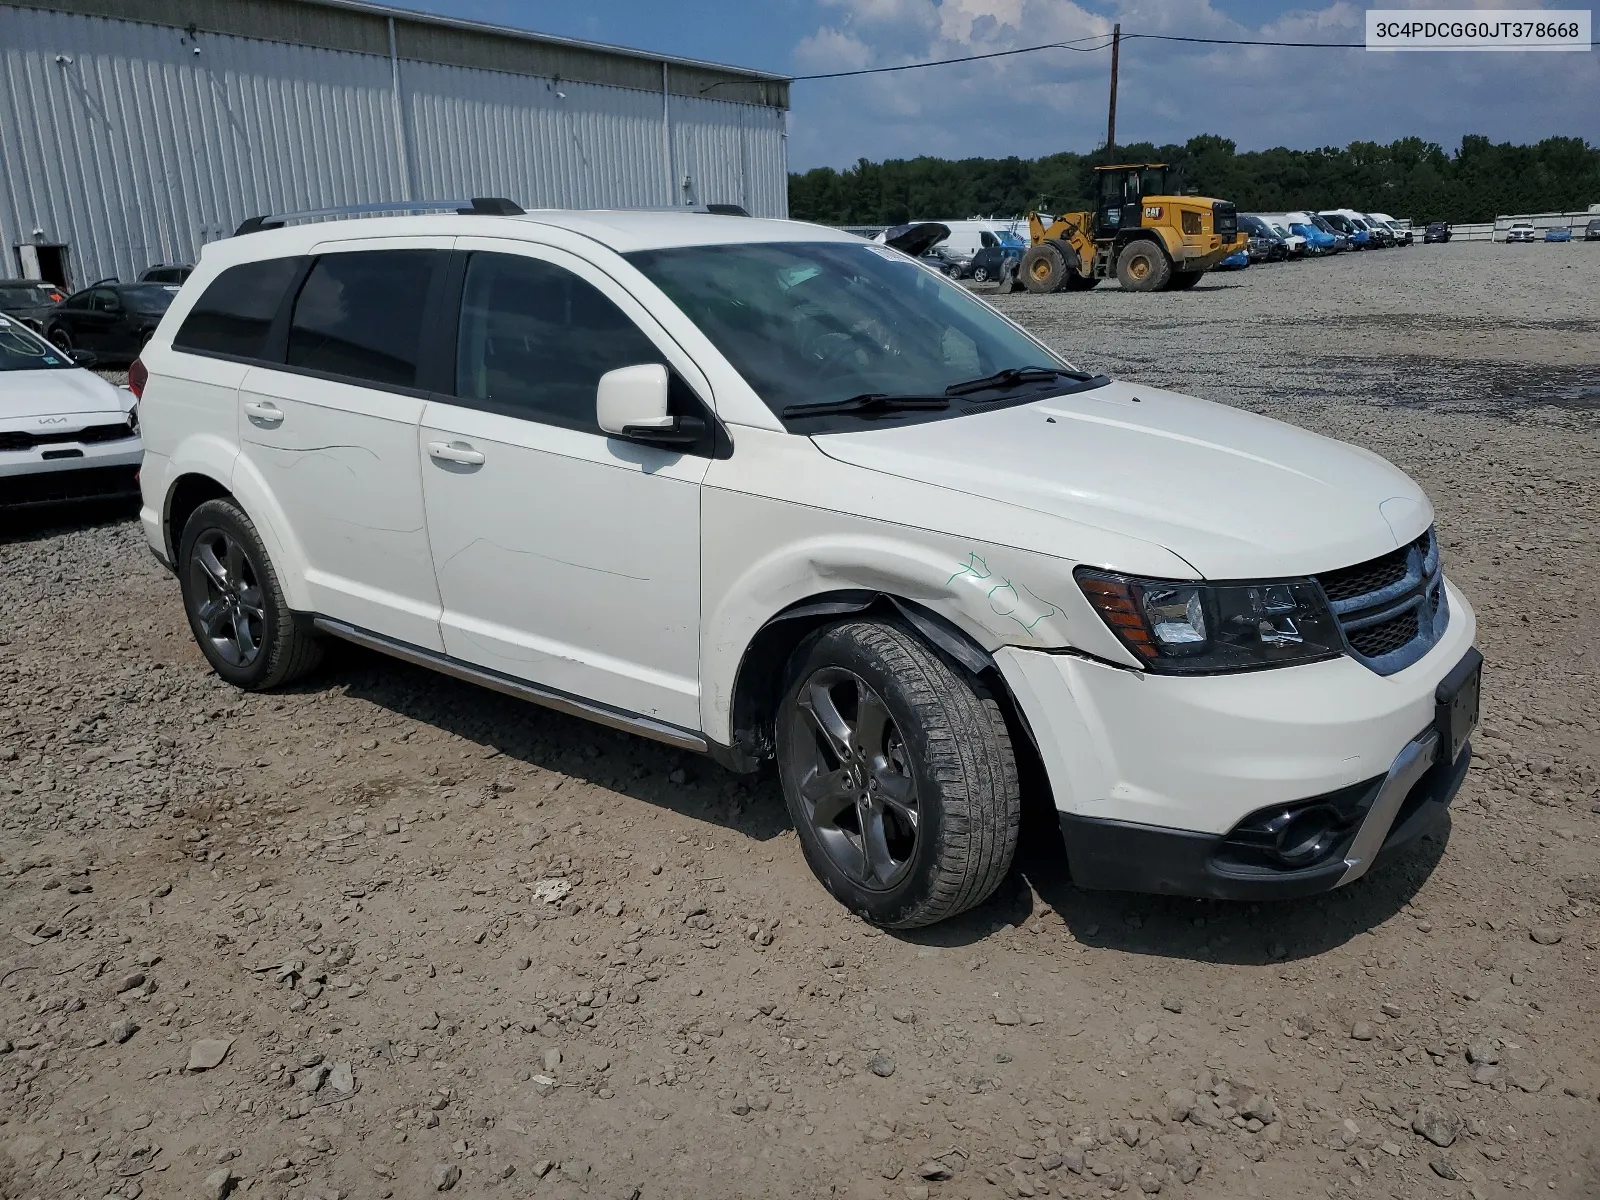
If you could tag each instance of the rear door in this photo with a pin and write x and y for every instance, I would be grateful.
(564, 557)
(332, 432)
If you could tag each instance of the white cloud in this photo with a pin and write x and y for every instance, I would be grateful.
(1055, 100)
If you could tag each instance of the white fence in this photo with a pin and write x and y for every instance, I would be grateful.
(1495, 231)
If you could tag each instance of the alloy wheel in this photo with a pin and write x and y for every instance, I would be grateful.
(231, 609)
(853, 774)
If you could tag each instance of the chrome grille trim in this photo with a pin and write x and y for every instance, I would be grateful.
(1392, 625)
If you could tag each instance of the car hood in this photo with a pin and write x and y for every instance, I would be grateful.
(1235, 495)
(33, 394)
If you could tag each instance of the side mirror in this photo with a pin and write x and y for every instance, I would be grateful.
(84, 358)
(631, 402)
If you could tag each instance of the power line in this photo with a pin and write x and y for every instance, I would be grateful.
(1104, 39)
(1105, 42)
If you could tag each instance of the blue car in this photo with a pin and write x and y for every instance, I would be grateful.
(1317, 241)
(1558, 235)
(1236, 261)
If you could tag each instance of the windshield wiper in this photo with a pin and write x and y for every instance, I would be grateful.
(1012, 377)
(867, 402)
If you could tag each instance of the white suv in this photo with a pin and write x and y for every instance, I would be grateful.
(768, 491)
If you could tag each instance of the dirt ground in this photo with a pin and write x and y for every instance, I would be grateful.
(384, 935)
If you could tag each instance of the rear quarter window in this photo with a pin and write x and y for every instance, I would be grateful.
(234, 316)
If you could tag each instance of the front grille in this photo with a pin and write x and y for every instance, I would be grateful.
(22, 439)
(1224, 218)
(1392, 608)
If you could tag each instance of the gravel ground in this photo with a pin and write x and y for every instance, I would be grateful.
(385, 935)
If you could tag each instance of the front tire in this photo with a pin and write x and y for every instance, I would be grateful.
(899, 775)
(1142, 266)
(61, 340)
(235, 605)
(1044, 268)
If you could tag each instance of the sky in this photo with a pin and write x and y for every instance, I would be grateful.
(1035, 104)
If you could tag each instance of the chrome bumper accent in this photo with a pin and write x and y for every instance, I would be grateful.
(1409, 766)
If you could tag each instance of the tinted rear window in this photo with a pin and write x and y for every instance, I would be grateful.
(359, 315)
(235, 314)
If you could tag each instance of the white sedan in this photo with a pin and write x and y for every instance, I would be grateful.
(65, 433)
(1522, 231)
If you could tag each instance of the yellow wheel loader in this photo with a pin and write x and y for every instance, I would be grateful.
(1147, 240)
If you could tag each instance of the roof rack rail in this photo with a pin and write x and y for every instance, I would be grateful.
(479, 206)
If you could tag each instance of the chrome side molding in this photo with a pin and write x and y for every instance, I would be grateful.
(575, 706)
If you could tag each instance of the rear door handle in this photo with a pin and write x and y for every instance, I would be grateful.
(261, 410)
(455, 452)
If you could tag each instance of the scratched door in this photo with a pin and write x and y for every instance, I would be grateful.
(563, 556)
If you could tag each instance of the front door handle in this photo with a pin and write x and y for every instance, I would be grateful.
(455, 452)
(261, 410)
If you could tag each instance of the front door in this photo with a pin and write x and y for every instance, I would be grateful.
(564, 557)
(332, 435)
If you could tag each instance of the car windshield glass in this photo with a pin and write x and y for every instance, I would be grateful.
(29, 295)
(1010, 241)
(22, 350)
(149, 297)
(821, 322)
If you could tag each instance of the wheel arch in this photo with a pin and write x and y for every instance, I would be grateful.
(763, 671)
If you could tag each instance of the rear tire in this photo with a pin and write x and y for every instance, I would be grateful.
(1142, 266)
(1182, 281)
(980, 274)
(899, 775)
(235, 604)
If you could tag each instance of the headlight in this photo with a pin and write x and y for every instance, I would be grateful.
(1200, 628)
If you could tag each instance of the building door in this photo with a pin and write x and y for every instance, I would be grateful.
(48, 263)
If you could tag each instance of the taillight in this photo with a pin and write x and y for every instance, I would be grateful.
(138, 375)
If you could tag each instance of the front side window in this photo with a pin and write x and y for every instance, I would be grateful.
(535, 339)
(104, 300)
(820, 322)
(359, 315)
(235, 313)
(22, 350)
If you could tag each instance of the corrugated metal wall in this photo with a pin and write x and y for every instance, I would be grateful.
(119, 141)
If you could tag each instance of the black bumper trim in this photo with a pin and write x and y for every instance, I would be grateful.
(1106, 855)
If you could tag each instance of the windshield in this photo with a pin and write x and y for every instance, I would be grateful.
(29, 295)
(1010, 241)
(149, 297)
(22, 350)
(822, 322)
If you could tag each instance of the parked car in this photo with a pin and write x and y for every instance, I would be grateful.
(1591, 231)
(65, 433)
(1437, 231)
(166, 273)
(1558, 235)
(29, 300)
(991, 261)
(1352, 227)
(1294, 242)
(1400, 229)
(1265, 244)
(1380, 231)
(1341, 239)
(1522, 231)
(818, 506)
(112, 319)
(921, 240)
(1318, 240)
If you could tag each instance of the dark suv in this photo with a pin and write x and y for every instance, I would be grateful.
(1591, 231)
(1437, 231)
(114, 320)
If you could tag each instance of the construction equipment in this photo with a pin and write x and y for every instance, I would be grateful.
(1148, 240)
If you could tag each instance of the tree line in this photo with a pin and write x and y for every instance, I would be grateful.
(1409, 178)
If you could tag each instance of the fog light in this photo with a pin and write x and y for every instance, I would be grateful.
(1301, 837)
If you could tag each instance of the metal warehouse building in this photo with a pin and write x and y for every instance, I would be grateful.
(134, 131)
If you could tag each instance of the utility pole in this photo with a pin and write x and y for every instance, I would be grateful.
(1111, 119)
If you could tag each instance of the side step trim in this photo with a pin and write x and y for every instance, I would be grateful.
(575, 706)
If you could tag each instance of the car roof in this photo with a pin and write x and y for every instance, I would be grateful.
(621, 230)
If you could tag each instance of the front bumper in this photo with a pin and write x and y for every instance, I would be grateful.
(1398, 809)
(73, 471)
